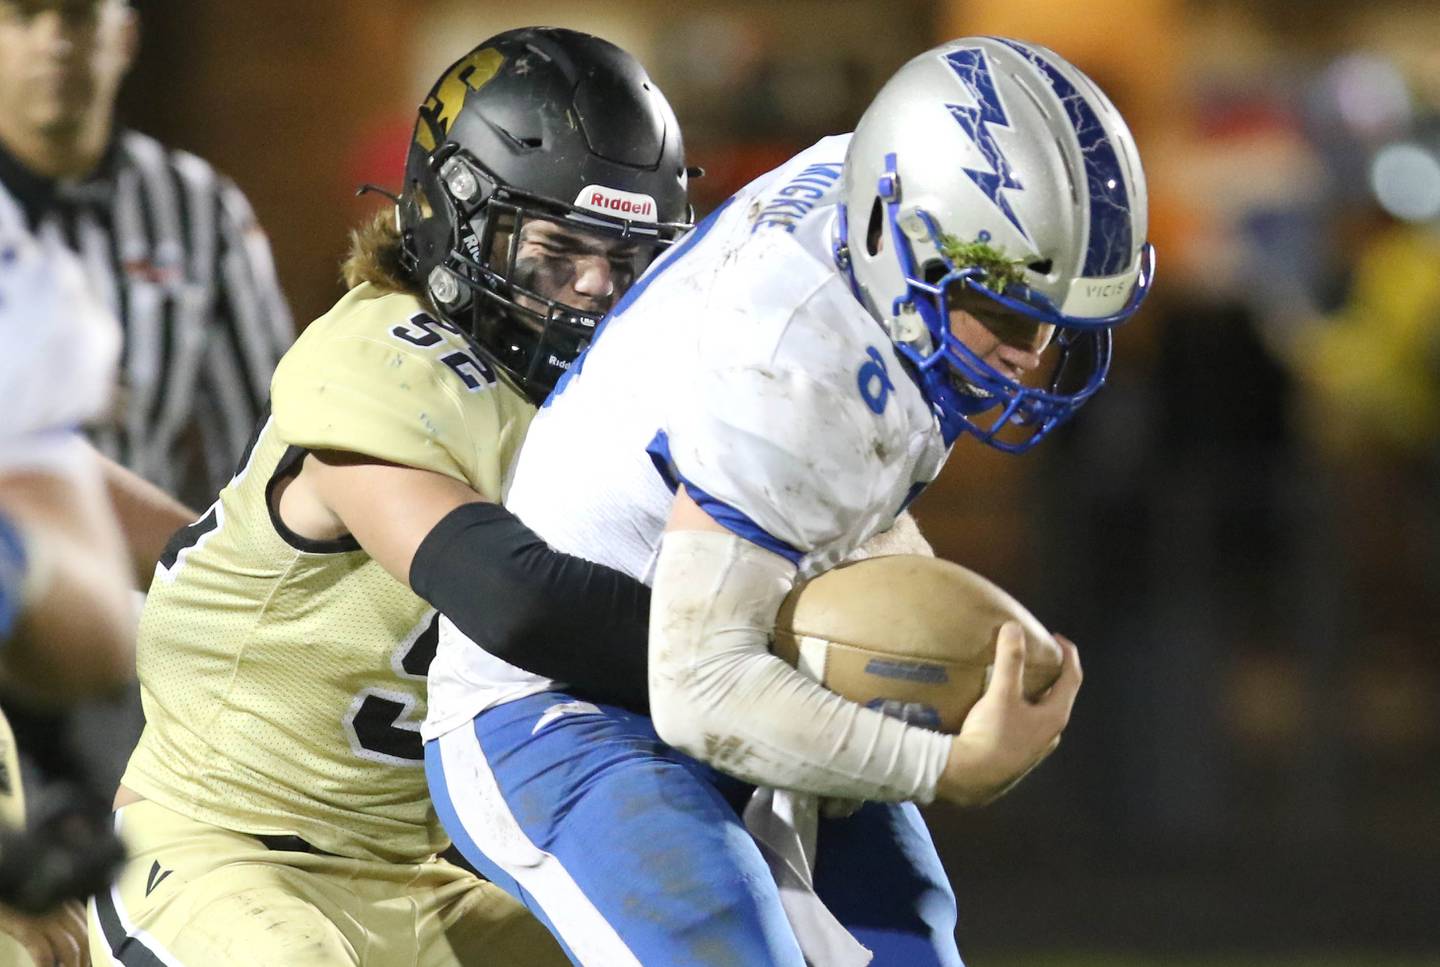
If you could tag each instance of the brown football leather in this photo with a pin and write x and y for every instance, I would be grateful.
(910, 629)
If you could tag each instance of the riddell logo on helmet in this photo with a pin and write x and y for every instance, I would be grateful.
(613, 201)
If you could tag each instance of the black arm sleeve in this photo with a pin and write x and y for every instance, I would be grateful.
(563, 617)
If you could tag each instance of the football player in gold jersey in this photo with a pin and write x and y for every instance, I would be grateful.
(276, 809)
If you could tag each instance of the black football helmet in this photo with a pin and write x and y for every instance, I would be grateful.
(536, 123)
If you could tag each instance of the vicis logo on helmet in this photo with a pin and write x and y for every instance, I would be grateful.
(614, 201)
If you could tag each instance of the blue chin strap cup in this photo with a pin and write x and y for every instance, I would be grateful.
(961, 386)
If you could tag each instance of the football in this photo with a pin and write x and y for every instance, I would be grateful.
(910, 635)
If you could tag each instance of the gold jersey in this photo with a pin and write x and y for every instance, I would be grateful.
(12, 797)
(283, 679)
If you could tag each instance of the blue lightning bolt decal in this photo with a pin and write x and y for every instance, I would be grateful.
(1112, 239)
(973, 70)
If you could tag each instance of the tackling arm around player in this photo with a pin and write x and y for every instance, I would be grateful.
(275, 808)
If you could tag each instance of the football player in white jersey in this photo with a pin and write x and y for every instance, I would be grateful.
(66, 622)
(57, 372)
(69, 558)
(778, 387)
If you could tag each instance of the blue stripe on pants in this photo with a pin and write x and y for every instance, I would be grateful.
(641, 829)
(445, 809)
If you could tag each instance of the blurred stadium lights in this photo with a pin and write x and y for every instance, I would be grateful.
(1369, 95)
(1406, 180)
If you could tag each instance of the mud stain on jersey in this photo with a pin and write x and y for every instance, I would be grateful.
(728, 752)
(286, 939)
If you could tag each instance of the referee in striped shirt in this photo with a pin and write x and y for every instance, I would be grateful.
(173, 247)
(169, 243)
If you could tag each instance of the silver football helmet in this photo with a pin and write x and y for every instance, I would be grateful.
(993, 173)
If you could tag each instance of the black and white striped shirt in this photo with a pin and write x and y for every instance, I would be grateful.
(173, 247)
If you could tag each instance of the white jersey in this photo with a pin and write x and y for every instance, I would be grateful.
(58, 348)
(742, 366)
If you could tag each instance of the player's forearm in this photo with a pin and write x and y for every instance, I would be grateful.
(718, 694)
(549, 613)
(75, 635)
(148, 517)
(505, 589)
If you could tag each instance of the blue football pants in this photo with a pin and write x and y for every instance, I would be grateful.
(634, 853)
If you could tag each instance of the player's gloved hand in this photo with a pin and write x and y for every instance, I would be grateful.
(67, 851)
(1006, 735)
(57, 938)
